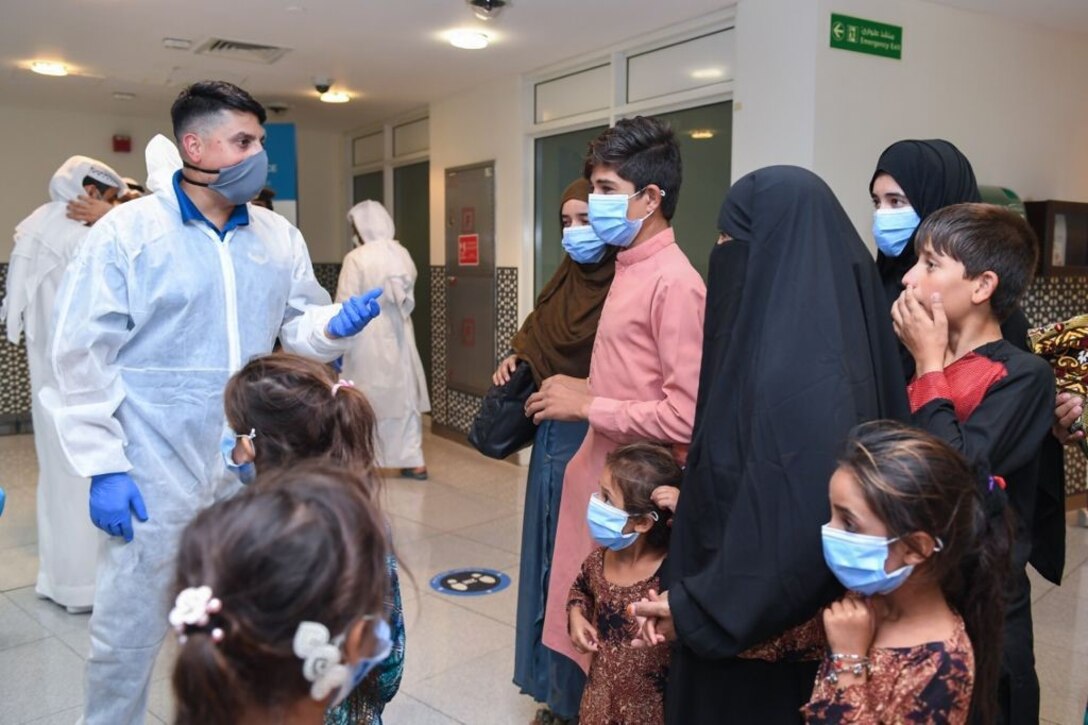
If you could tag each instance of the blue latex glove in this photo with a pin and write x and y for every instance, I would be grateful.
(355, 313)
(3, 498)
(114, 497)
(246, 471)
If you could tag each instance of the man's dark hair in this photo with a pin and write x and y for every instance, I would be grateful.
(642, 150)
(984, 237)
(101, 186)
(208, 98)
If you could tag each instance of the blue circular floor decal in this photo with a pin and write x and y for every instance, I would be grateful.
(470, 582)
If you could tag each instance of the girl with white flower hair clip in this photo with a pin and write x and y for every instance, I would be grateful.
(280, 600)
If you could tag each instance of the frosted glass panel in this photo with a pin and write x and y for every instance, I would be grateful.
(367, 149)
(681, 67)
(411, 138)
(582, 92)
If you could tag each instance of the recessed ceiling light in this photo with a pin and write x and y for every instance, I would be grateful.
(705, 74)
(122, 96)
(334, 97)
(177, 43)
(49, 68)
(468, 39)
(701, 133)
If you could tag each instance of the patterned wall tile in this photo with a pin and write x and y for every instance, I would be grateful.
(462, 410)
(506, 318)
(439, 408)
(328, 275)
(14, 372)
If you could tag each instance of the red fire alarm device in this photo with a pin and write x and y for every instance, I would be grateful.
(122, 144)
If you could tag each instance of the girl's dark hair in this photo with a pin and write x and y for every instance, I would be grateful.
(302, 546)
(289, 401)
(637, 469)
(917, 483)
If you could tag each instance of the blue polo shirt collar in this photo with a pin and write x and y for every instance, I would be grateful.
(190, 213)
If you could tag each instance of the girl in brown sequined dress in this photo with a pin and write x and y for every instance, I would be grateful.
(924, 550)
(626, 686)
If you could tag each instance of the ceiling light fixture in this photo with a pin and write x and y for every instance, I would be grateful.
(334, 97)
(487, 9)
(701, 134)
(468, 39)
(123, 96)
(706, 74)
(49, 68)
(177, 43)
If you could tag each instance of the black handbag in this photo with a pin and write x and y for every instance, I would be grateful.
(501, 428)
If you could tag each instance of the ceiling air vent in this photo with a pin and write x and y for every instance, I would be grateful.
(236, 50)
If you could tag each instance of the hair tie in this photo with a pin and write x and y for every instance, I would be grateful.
(192, 609)
(342, 384)
(998, 481)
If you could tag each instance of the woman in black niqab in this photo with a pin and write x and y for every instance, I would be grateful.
(798, 349)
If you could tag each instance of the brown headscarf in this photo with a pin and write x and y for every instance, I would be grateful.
(557, 336)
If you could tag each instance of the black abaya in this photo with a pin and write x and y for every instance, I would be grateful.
(798, 349)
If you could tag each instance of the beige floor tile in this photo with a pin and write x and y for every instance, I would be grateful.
(38, 679)
(160, 700)
(19, 526)
(441, 636)
(480, 691)
(1063, 675)
(19, 567)
(501, 606)
(18, 463)
(52, 616)
(405, 530)
(406, 710)
(17, 628)
(428, 557)
(440, 506)
(503, 533)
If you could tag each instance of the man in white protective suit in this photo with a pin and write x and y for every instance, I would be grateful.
(383, 360)
(45, 243)
(169, 295)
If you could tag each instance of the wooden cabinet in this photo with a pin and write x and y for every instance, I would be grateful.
(1062, 228)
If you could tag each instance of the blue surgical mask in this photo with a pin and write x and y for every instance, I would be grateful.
(245, 471)
(608, 217)
(606, 524)
(583, 245)
(892, 229)
(858, 560)
(238, 183)
(383, 645)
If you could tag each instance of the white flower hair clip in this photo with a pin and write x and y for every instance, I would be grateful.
(192, 608)
(321, 659)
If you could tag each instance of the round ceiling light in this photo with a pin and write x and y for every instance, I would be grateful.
(334, 97)
(49, 68)
(468, 39)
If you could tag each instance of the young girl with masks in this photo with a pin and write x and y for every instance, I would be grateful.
(625, 685)
(286, 409)
(280, 595)
(924, 551)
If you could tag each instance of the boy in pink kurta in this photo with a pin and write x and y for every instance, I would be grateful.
(644, 372)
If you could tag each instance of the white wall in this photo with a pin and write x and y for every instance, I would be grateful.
(1010, 95)
(35, 142)
(486, 124)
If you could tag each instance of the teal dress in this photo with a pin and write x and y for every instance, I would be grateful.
(365, 703)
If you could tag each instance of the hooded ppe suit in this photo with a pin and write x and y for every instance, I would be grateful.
(45, 243)
(156, 312)
(383, 359)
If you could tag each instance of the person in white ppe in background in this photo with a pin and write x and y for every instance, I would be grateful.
(45, 242)
(168, 296)
(384, 361)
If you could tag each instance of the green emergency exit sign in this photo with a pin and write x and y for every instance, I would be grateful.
(866, 36)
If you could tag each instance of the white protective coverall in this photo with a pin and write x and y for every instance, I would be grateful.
(154, 316)
(45, 243)
(383, 359)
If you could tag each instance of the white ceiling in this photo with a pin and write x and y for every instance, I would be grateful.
(1067, 15)
(388, 53)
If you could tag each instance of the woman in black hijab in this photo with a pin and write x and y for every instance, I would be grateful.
(926, 175)
(798, 349)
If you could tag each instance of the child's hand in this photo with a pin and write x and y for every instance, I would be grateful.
(665, 497)
(923, 332)
(583, 635)
(850, 625)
